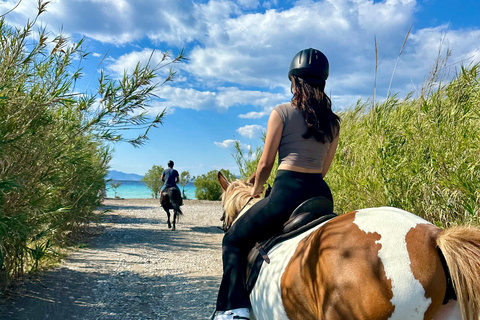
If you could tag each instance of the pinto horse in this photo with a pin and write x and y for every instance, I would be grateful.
(376, 263)
(171, 198)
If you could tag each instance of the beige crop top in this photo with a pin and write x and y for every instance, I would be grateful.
(293, 148)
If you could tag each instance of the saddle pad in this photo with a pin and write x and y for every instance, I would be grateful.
(256, 259)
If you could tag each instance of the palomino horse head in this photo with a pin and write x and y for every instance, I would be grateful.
(235, 196)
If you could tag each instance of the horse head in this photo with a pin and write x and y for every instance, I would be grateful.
(236, 198)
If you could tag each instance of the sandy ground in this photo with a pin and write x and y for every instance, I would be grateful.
(134, 267)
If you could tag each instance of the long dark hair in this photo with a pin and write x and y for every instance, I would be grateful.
(316, 107)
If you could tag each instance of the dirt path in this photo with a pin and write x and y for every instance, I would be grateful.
(135, 268)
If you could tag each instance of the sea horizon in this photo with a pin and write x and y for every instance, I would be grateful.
(130, 189)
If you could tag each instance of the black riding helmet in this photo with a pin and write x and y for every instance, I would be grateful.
(311, 65)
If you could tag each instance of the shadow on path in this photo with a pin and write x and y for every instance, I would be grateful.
(133, 270)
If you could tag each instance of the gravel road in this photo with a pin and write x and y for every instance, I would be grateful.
(134, 268)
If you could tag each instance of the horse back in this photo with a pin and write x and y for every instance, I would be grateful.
(171, 197)
(378, 263)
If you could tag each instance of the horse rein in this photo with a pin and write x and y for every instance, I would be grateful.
(225, 228)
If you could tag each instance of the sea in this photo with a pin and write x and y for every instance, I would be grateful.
(129, 189)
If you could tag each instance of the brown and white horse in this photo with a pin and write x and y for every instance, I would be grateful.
(376, 263)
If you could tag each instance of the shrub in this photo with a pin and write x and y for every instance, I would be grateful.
(421, 155)
(153, 180)
(207, 186)
(53, 157)
(185, 178)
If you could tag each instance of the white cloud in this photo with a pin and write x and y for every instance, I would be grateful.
(384, 16)
(26, 8)
(342, 102)
(228, 42)
(249, 3)
(256, 49)
(254, 115)
(230, 144)
(222, 99)
(251, 131)
(120, 22)
(127, 62)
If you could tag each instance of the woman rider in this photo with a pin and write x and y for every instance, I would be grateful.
(305, 133)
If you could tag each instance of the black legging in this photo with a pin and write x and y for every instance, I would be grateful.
(259, 223)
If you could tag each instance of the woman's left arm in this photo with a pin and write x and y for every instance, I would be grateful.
(330, 154)
(267, 160)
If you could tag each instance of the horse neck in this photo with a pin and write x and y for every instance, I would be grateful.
(246, 206)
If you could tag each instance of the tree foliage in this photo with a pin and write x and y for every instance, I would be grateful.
(53, 153)
(207, 186)
(185, 178)
(153, 180)
(115, 186)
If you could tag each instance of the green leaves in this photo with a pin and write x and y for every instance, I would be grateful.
(419, 155)
(39, 251)
(207, 186)
(185, 178)
(153, 180)
(53, 138)
(122, 104)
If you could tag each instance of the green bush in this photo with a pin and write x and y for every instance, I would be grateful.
(153, 180)
(185, 178)
(207, 186)
(53, 156)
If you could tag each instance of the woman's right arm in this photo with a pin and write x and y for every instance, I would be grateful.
(267, 160)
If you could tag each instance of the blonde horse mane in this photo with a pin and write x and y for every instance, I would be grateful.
(235, 198)
(461, 249)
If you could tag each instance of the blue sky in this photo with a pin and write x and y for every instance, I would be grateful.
(239, 52)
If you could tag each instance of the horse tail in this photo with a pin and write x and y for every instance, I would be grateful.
(177, 207)
(461, 248)
(176, 200)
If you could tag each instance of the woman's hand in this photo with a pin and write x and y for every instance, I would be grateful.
(256, 191)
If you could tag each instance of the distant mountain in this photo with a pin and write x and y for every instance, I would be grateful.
(118, 175)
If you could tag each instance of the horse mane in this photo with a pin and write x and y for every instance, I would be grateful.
(235, 198)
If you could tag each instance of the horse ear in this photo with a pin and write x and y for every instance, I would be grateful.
(252, 178)
(224, 183)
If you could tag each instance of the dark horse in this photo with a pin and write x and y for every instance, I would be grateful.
(171, 198)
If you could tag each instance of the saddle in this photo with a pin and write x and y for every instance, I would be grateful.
(307, 215)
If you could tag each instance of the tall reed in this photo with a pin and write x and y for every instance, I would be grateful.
(53, 153)
(421, 155)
